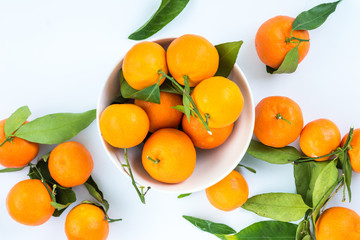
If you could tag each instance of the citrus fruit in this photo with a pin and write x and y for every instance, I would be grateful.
(142, 63)
(319, 137)
(169, 156)
(70, 164)
(271, 41)
(278, 121)
(354, 151)
(17, 152)
(230, 193)
(29, 203)
(162, 115)
(218, 99)
(200, 137)
(338, 223)
(124, 125)
(86, 221)
(192, 56)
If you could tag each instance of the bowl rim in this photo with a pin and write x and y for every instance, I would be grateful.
(117, 160)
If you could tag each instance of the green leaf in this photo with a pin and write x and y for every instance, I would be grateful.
(186, 101)
(278, 206)
(169, 87)
(5, 170)
(16, 119)
(119, 99)
(247, 168)
(55, 128)
(181, 108)
(315, 17)
(324, 185)
(64, 198)
(303, 230)
(184, 195)
(305, 177)
(209, 226)
(270, 230)
(42, 166)
(228, 53)
(94, 191)
(149, 94)
(290, 62)
(270, 69)
(167, 11)
(273, 155)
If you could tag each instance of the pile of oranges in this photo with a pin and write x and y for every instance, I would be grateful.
(29, 202)
(169, 154)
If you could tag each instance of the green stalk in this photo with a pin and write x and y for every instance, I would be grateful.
(190, 99)
(141, 195)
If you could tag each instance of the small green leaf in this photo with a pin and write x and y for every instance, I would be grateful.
(119, 99)
(42, 166)
(55, 128)
(278, 206)
(270, 69)
(181, 108)
(16, 119)
(270, 230)
(184, 195)
(228, 53)
(290, 62)
(324, 185)
(315, 17)
(209, 226)
(169, 87)
(167, 11)
(5, 170)
(305, 177)
(64, 197)
(149, 94)
(186, 101)
(273, 155)
(303, 230)
(94, 191)
(247, 168)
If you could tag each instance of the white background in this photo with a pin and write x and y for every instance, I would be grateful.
(56, 55)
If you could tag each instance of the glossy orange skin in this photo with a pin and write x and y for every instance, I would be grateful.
(86, 221)
(142, 63)
(175, 152)
(275, 132)
(28, 203)
(354, 151)
(338, 223)
(18, 153)
(319, 137)
(70, 164)
(230, 193)
(193, 56)
(124, 125)
(162, 115)
(201, 138)
(270, 41)
(221, 98)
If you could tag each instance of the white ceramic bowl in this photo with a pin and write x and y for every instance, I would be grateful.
(211, 165)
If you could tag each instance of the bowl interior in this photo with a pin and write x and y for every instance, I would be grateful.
(211, 165)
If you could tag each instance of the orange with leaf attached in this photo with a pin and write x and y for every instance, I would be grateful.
(29, 203)
(17, 152)
(272, 41)
(278, 121)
